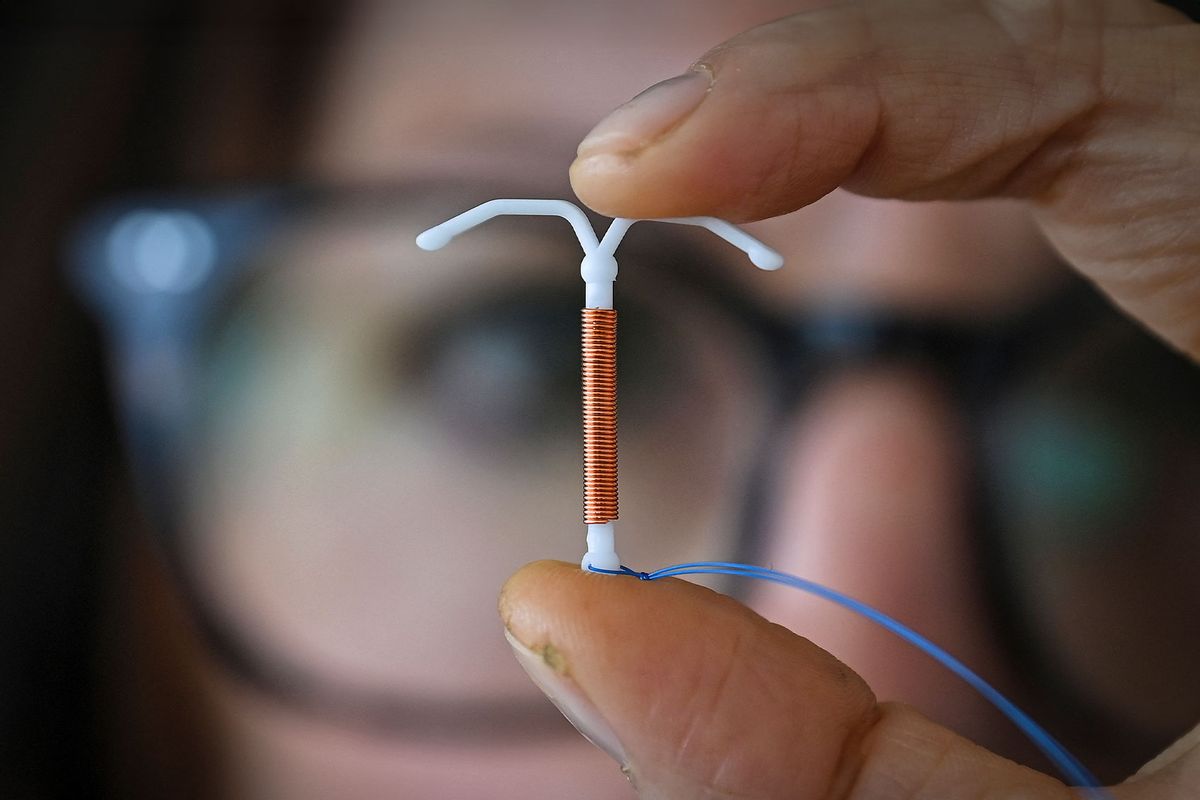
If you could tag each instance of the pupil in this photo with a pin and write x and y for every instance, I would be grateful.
(505, 373)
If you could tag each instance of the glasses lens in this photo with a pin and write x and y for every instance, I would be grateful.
(1098, 459)
(385, 434)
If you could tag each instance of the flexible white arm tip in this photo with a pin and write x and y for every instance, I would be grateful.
(765, 258)
(760, 255)
(433, 239)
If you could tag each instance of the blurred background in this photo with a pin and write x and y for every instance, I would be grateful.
(102, 98)
(219, 398)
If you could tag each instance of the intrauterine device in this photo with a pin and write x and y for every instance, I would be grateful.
(599, 271)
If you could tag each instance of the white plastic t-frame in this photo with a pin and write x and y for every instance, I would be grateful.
(599, 271)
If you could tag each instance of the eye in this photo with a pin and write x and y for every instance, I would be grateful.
(505, 372)
(501, 371)
(1074, 469)
(1095, 457)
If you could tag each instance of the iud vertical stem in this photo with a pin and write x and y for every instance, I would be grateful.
(599, 415)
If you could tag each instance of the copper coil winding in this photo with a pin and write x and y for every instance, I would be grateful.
(599, 415)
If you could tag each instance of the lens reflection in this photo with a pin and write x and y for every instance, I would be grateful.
(1095, 457)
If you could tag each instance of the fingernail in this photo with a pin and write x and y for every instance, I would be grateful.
(548, 669)
(648, 116)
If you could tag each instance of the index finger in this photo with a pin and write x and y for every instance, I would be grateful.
(1086, 108)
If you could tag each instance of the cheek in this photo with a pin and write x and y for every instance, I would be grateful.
(871, 502)
(276, 754)
(382, 577)
(178, 719)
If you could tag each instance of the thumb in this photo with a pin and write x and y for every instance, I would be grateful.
(697, 696)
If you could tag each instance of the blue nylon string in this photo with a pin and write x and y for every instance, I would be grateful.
(1070, 767)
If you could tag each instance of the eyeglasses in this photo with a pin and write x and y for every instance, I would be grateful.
(346, 445)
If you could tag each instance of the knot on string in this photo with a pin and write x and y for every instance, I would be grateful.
(624, 570)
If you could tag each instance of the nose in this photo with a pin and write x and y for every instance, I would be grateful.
(871, 498)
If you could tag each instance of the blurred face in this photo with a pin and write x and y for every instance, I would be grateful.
(364, 373)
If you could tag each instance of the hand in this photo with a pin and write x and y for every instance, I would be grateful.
(1090, 111)
(696, 696)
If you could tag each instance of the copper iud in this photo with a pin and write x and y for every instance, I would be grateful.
(599, 415)
(598, 270)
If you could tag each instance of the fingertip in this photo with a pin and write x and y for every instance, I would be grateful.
(557, 600)
(685, 679)
(533, 574)
(738, 158)
(531, 587)
(597, 181)
(672, 181)
(614, 184)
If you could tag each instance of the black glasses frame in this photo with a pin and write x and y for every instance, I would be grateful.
(155, 329)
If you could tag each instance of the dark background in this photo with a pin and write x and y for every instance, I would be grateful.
(97, 99)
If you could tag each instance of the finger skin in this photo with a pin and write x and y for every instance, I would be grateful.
(712, 701)
(1175, 772)
(1089, 109)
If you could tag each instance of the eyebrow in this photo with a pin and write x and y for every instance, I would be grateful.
(542, 143)
(664, 250)
(499, 151)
